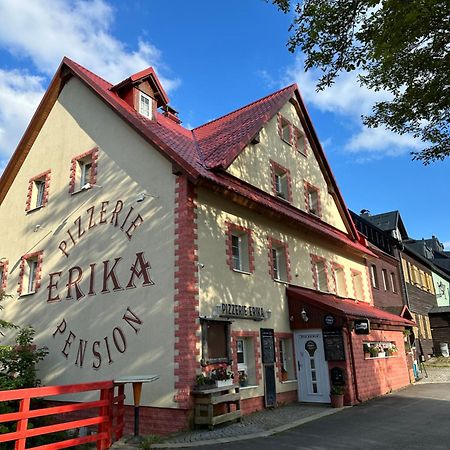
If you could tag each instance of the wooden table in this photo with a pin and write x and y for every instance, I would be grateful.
(207, 403)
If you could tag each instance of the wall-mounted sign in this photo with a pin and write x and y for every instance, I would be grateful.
(329, 320)
(267, 346)
(333, 345)
(230, 310)
(362, 326)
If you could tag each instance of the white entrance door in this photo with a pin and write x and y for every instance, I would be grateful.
(312, 369)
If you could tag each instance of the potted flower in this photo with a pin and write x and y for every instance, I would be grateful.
(373, 351)
(284, 374)
(243, 379)
(222, 377)
(337, 396)
(203, 381)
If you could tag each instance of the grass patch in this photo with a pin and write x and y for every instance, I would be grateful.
(438, 361)
(149, 440)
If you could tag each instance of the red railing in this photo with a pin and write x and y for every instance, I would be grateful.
(105, 418)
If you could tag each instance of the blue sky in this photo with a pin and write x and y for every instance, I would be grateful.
(213, 57)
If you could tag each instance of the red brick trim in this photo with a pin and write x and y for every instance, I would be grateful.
(278, 337)
(308, 187)
(229, 251)
(355, 273)
(38, 276)
(274, 168)
(187, 323)
(334, 267)
(93, 152)
(45, 176)
(276, 243)
(314, 260)
(257, 352)
(300, 148)
(4, 266)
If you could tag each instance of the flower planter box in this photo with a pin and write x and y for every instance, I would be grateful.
(224, 383)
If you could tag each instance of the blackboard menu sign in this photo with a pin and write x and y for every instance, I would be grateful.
(267, 346)
(334, 345)
(270, 393)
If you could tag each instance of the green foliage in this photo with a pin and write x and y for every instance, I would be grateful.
(3, 323)
(18, 363)
(395, 45)
(149, 440)
(337, 390)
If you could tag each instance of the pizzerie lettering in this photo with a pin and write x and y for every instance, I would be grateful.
(114, 215)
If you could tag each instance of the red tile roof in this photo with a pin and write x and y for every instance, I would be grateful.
(223, 139)
(211, 146)
(345, 307)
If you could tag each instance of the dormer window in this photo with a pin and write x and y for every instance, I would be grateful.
(145, 105)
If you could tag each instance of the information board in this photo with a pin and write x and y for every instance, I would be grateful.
(333, 343)
(267, 346)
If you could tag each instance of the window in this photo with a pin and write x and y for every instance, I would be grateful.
(339, 280)
(393, 283)
(145, 105)
(320, 273)
(83, 172)
(30, 273)
(374, 276)
(38, 189)
(215, 342)
(281, 181)
(405, 270)
(278, 260)
(240, 248)
(287, 367)
(385, 279)
(358, 285)
(284, 129)
(245, 358)
(312, 199)
(299, 141)
(379, 349)
(3, 273)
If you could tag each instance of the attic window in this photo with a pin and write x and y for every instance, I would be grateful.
(281, 181)
(145, 105)
(312, 199)
(83, 171)
(38, 188)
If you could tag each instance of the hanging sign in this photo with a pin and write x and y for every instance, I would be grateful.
(362, 326)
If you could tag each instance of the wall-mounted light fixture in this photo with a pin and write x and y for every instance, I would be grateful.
(142, 195)
(304, 316)
(87, 186)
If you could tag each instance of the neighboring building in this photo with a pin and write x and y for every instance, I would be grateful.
(141, 247)
(417, 272)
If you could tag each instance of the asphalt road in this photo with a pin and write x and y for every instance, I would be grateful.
(415, 418)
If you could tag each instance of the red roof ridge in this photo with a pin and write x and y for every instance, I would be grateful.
(291, 86)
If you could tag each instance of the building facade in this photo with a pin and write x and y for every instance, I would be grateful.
(141, 247)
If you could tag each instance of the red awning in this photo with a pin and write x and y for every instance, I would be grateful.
(344, 307)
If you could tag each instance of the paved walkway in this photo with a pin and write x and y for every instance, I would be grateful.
(259, 424)
(263, 423)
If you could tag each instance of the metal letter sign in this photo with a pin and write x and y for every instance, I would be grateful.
(362, 326)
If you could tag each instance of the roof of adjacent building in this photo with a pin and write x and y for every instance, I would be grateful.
(388, 221)
(201, 153)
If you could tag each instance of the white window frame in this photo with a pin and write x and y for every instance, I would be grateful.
(240, 251)
(341, 289)
(32, 264)
(385, 279)
(279, 263)
(39, 185)
(85, 171)
(313, 201)
(321, 275)
(145, 113)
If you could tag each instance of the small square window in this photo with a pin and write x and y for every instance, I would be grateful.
(320, 273)
(312, 199)
(239, 249)
(278, 261)
(145, 105)
(30, 273)
(281, 181)
(83, 174)
(38, 188)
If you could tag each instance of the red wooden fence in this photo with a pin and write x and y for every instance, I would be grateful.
(105, 417)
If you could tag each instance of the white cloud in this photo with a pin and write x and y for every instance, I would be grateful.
(43, 32)
(350, 101)
(19, 96)
(446, 246)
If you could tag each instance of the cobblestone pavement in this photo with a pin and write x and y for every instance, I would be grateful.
(435, 375)
(262, 423)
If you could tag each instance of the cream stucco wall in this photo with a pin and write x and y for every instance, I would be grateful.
(253, 166)
(127, 165)
(219, 284)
